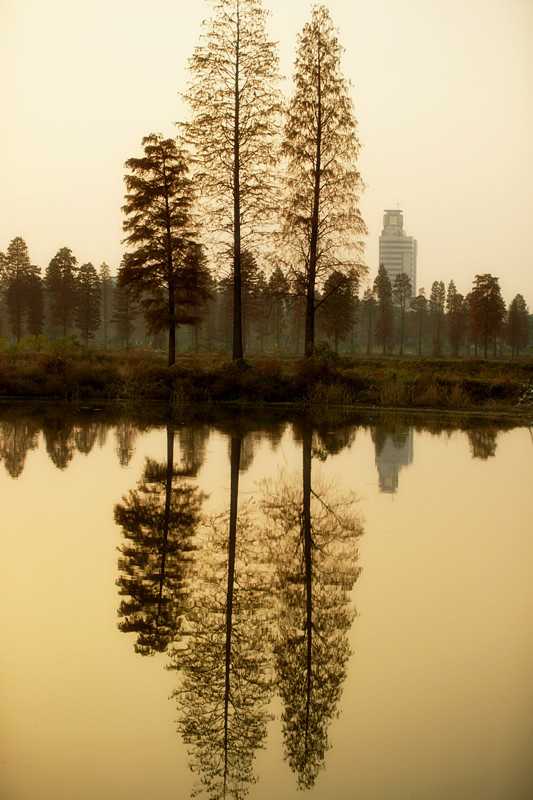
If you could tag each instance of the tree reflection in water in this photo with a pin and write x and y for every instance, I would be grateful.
(226, 682)
(159, 521)
(313, 532)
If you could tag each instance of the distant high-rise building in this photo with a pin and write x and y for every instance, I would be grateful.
(397, 251)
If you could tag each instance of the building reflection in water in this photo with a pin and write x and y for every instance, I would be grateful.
(394, 450)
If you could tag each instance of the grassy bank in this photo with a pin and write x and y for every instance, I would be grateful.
(63, 373)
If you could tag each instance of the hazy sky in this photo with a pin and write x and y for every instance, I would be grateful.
(443, 92)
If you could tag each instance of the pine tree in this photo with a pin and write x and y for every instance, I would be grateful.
(322, 224)
(165, 267)
(402, 292)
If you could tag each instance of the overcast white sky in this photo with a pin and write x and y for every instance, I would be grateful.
(443, 92)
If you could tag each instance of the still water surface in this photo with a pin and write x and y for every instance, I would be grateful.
(265, 610)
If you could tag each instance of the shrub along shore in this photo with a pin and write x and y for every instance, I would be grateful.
(325, 380)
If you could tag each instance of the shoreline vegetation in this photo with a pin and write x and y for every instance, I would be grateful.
(61, 372)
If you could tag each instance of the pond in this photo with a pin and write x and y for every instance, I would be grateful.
(265, 608)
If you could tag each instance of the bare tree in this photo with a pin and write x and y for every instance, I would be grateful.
(322, 223)
(235, 104)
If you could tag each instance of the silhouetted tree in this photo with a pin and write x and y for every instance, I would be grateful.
(106, 300)
(487, 309)
(61, 290)
(226, 688)
(419, 307)
(402, 292)
(337, 305)
(322, 224)
(159, 522)
(437, 301)
(384, 313)
(517, 327)
(89, 299)
(368, 318)
(125, 312)
(277, 301)
(313, 534)
(234, 103)
(21, 285)
(165, 269)
(457, 317)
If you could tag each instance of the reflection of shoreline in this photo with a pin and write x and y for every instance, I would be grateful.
(393, 451)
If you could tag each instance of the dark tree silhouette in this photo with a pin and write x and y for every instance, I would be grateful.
(235, 104)
(61, 290)
(322, 224)
(313, 532)
(384, 311)
(165, 268)
(225, 691)
(159, 522)
(89, 300)
(517, 324)
(487, 309)
(402, 292)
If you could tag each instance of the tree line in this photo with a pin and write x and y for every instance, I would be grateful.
(244, 232)
(386, 318)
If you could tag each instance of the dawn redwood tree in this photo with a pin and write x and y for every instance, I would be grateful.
(517, 328)
(402, 292)
(322, 224)
(235, 104)
(89, 298)
(384, 310)
(487, 309)
(165, 266)
(61, 281)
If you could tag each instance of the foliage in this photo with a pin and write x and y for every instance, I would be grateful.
(487, 309)
(384, 316)
(165, 268)
(322, 223)
(61, 287)
(234, 103)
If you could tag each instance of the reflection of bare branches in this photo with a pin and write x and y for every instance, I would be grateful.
(226, 684)
(313, 532)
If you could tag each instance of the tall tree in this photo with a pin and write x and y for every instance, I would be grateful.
(384, 315)
(487, 309)
(125, 312)
(106, 303)
(89, 298)
(165, 267)
(517, 324)
(419, 308)
(21, 283)
(437, 301)
(234, 103)
(402, 292)
(61, 288)
(368, 317)
(322, 221)
(457, 318)
(338, 304)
